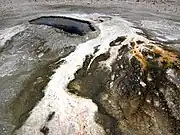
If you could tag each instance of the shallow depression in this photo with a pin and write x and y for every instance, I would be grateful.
(70, 25)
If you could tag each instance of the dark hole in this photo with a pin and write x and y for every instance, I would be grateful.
(70, 25)
(139, 42)
(44, 130)
(50, 116)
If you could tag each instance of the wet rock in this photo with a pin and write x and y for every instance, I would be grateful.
(139, 94)
(21, 106)
(117, 41)
(70, 25)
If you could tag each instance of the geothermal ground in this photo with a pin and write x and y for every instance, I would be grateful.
(89, 67)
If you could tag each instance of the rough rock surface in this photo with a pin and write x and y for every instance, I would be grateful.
(133, 97)
(29, 55)
(138, 92)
